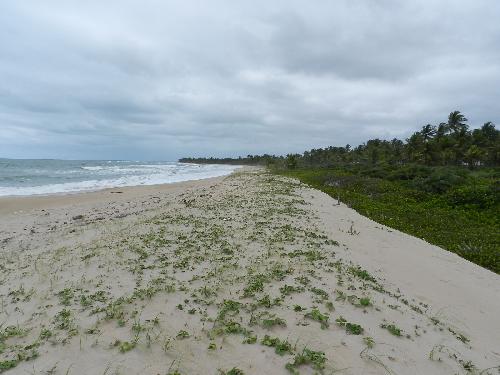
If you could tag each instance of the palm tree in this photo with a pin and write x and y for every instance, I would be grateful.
(490, 138)
(428, 132)
(457, 122)
(489, 131)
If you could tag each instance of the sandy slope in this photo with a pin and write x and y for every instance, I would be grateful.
(190, 278)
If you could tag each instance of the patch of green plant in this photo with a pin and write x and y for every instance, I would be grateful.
(234, 328)
(265, 301)
(267, 320)
(8, 364)
(281, 347)
(233, 371)
(272, 322)
(365, 301)
(360, 302)
(354, 329)
(11, 331)
(320, 292)
(229, 307)
(316, 315)
(351, 328)
(289, 289)
(304, 280)
(250, 340)
(369, 342)
(309, 255)
(255, 285)
(278, 272)
(64, 319)
(126, 346)
(45, 334)
(113, 310)
(315, 359)
(137, 326)
(361, 273)
(298, 308)
(66, 296)
(182, 334)
(340, 295)
(459, 336)
(392, 329)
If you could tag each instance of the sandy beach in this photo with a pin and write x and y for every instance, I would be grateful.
(251, 272)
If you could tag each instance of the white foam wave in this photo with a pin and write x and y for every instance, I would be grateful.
(134, 175)
(97, 168)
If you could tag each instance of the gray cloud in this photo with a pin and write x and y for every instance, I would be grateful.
(164, 79)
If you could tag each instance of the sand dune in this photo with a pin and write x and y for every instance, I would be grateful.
(252, 272)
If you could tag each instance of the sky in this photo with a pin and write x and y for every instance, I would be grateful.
(158, 80)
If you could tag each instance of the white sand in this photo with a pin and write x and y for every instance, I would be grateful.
(115, 291)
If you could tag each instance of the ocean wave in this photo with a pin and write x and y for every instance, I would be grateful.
(130, 175)
(97, 168)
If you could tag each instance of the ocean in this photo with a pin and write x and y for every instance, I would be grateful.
(33, 177)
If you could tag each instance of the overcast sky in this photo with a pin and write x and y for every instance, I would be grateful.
(163, 79)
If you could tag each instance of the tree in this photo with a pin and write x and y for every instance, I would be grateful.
(448, 143)
(397, 154)
(489, 131)
(473, 156)
(457, 122)
(291, 161)
(415, 147)
(428, 132)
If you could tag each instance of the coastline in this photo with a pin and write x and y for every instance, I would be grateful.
(25, 178)
(17, 204)
(193, 276)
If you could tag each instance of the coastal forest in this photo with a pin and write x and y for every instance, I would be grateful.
(441, 184)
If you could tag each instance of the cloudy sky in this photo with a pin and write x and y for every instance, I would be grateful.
(163, 79)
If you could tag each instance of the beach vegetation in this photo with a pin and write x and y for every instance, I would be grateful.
(392, 328)
(351, 328)
(233, 371)
(308, 357)
(316, 315)
(440, 184)
(281, 346)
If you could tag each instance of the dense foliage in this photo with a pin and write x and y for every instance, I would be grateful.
(449, 143)
(451, 207)
(442, 184)
(247, 160)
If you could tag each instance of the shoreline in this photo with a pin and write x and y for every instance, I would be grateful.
(12, 204)
(92, 182)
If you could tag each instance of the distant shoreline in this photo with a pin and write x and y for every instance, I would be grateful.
(23, 203)
(25, 178)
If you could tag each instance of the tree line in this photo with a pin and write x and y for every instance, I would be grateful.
(450, 143)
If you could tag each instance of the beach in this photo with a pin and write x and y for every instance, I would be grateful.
(251, 272)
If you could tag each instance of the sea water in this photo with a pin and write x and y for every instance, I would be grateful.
(32, 177)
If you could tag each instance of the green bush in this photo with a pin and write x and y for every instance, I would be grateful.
(480, 196)
(439, 181)
(463, 220)
(409, 172)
